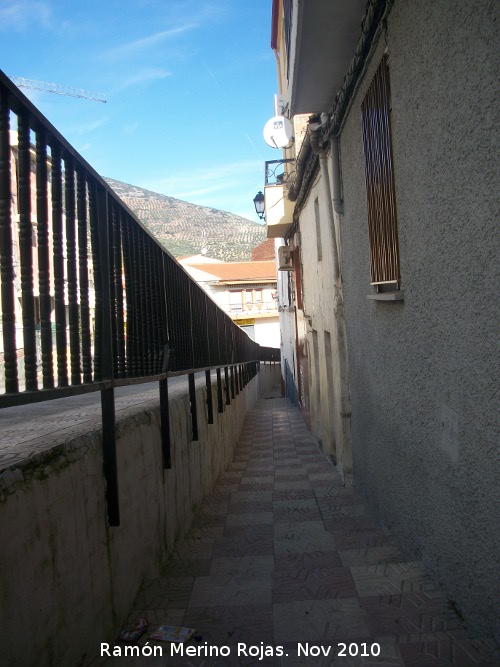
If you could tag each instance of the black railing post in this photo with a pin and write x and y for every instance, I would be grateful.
(26, 250)
(107, 395)
(98, 284)
(226, 384)
(192, 401)
(165, 424)
(148, 264)
(81, 193)
(72, 271)
(141, 301)
(6, 251)
(192, 386)
(42, 214)
(210, 402)
(220, 404)
(58, 262)
(237, 380)
(117, 259)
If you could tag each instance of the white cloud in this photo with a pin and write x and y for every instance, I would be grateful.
(19, 15)
(145, 43)
(195, 183)
(143, 76)
(130, 129)
(84, 148)
(88, 128)
(224, 186)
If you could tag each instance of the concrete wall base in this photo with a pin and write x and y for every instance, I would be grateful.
(66, 579)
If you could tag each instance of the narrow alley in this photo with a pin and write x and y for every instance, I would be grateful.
(283, 566)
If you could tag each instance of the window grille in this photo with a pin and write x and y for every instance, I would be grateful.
(379, 174)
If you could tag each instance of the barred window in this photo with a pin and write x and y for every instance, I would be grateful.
(379, 175)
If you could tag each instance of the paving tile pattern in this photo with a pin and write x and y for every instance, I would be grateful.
(282, 554)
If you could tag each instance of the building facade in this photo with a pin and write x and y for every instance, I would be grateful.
(246, 291)
(391, 223)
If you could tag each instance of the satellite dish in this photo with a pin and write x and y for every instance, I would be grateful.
(278, 132)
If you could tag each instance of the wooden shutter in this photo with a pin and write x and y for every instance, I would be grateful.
(379, 174)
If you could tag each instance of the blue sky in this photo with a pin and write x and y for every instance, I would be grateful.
(189, 86)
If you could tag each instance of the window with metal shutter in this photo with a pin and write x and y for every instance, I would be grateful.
(379, 175)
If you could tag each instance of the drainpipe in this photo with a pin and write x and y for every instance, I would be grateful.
(336, 204)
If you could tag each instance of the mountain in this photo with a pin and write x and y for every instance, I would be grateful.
(185, 229)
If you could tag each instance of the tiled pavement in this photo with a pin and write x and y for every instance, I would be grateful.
(281, 555)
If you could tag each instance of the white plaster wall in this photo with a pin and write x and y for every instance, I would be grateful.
(437, 348)
(67, 580)
(267, 332)
(220, 296)
(286, 320)
(319, 308)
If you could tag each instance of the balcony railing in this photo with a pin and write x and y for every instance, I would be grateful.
(150, 319)
(257, 307)
(278, 172)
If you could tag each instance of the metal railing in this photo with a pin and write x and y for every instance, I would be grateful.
(144, 319)
(276, 173)
(257, 307)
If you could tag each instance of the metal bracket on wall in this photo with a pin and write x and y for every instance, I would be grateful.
(226, 383)
(165, 424)
(232, 381)
(236, 380)
(210, 404)
(192, 400)
(220, 404)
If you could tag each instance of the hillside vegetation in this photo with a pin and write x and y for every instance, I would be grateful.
(185, 229)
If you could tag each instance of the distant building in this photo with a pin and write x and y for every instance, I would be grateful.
(264, 252)
(244, 290)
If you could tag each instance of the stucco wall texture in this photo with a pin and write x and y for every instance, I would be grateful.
(317, 276)
(67, 579)
(438, 347)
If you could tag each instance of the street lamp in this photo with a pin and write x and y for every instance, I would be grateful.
(258, 202)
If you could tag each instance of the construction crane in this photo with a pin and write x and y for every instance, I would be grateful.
(57, 89)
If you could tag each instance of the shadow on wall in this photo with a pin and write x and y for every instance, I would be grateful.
(71, 578)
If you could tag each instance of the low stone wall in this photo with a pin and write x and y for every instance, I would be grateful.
(66, 579)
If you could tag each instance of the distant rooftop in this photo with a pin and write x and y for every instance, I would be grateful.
(198, 259)
(235, 272)
(264, 251)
